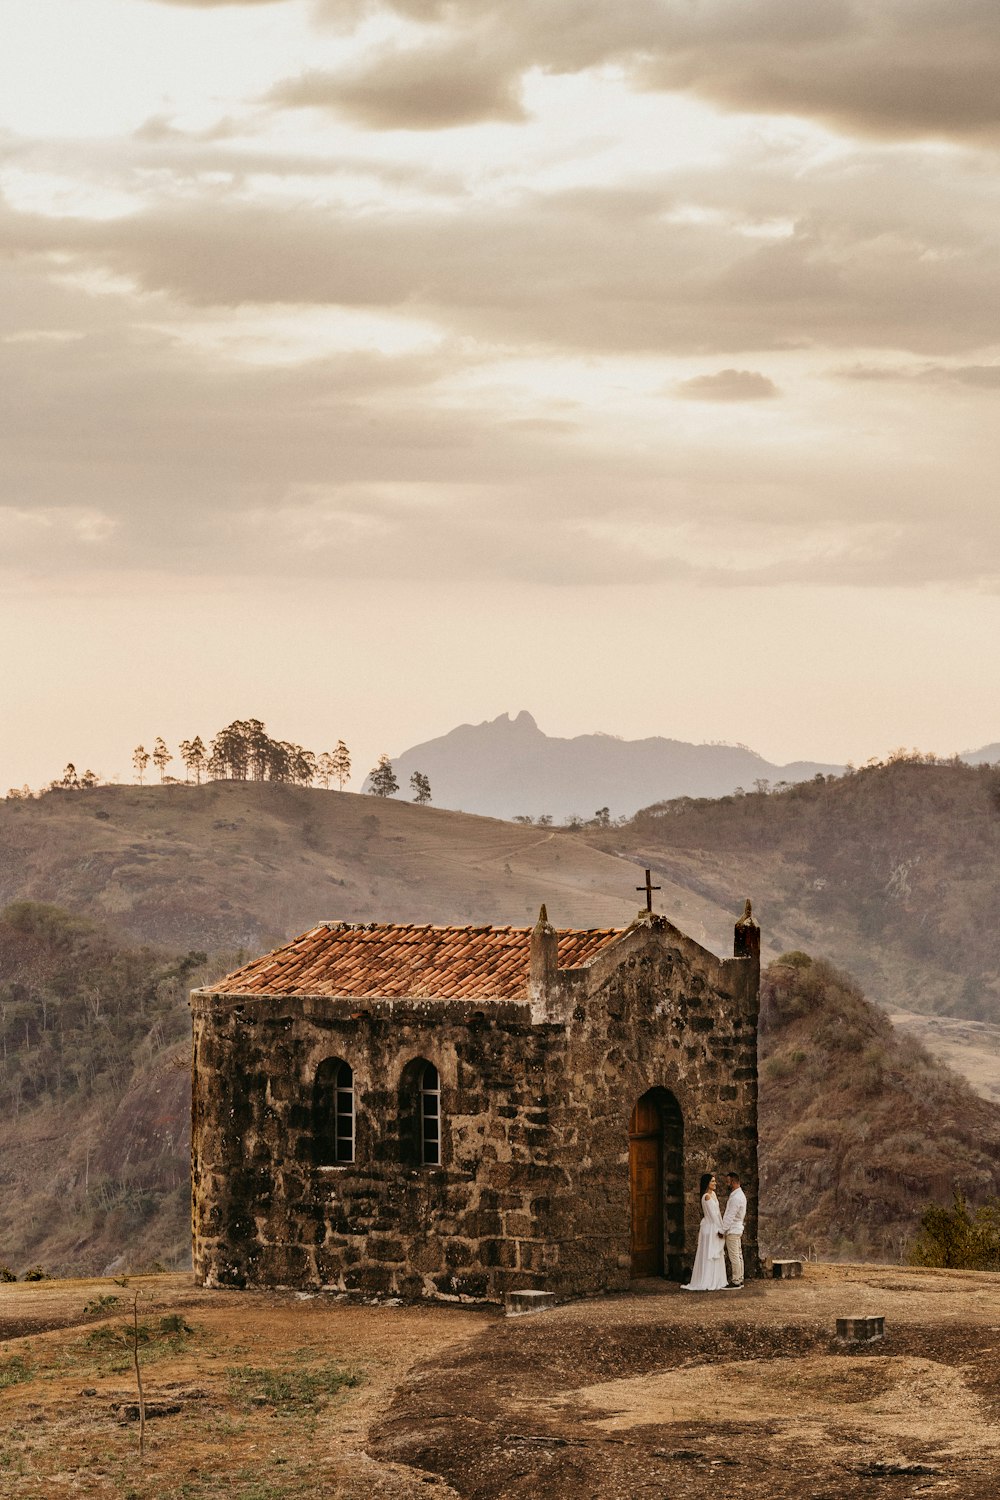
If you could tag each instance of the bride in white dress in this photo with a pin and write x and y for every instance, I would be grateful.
(709, 1274)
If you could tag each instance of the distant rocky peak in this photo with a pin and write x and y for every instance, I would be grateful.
(523, 722)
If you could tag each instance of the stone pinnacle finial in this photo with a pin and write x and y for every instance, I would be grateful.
(746, 935)
(544, 954)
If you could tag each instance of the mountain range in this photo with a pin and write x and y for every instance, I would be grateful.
(508, 767)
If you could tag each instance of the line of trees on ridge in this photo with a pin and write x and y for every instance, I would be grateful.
(244, 751)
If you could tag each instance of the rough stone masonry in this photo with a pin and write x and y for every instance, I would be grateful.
(463, 1112)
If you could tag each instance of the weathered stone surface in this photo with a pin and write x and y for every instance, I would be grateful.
(860, 1330)
(517, 1303)
(532, 1190)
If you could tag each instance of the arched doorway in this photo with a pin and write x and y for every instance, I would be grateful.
(656, 1185)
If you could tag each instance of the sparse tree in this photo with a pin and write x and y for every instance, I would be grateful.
(421, 787)
(545, 820)
(300, 765)
(341, 765)
(324, 769)
(70, 780)
(383, 778)
(140, 760)
(602, 817)
(89, 780)
(161, 756)
(194, 757)
(525, 818)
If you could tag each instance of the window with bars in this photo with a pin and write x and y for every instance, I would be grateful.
(430, 1116)
(333, 1113)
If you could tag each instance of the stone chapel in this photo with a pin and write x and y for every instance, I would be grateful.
(466, 1112)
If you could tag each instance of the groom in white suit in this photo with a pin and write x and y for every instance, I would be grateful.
(732, 1229)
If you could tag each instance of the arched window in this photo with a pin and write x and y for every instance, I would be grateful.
(430, 1116)
(333, 1113)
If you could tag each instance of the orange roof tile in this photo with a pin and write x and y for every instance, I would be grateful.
(395, 961)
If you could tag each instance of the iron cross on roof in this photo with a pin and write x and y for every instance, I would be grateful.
(649, 888)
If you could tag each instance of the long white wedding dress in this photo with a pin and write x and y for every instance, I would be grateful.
(709, 1274)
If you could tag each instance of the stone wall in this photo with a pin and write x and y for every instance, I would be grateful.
(533, 1186)
(264, 1214)
(655, 1013)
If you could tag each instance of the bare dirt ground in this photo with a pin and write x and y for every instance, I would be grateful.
(652, 1394)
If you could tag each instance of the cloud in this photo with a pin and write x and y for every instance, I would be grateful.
(890, 68)
(985, 377)
(727, 385)
(980, 377)
(895, 69)
(125, 450)
(428, 88)
(598, 269)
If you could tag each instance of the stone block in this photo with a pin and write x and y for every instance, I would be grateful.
(786, 1270)
(527, 1302)
(860, 1330)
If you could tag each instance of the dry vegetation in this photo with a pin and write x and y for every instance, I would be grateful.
(860, 1127)
(244, 865)
(890, 871)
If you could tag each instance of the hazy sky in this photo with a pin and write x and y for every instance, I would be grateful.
(370, 367)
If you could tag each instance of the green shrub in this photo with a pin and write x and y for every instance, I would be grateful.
(100, 1305)
(289, 1390)
(6, 1274)
(13, 1371)
(36, 1274)
(796, 959)
(959, 1238)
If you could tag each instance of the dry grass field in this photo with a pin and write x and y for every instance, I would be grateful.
(283, 1397)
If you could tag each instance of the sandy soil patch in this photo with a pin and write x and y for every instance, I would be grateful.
(837, 1402)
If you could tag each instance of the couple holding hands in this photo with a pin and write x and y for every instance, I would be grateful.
(720, 1234)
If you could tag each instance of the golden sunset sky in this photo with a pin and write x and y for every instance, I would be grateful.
(372, 367)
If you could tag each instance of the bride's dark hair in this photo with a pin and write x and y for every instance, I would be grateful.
(706, 1178)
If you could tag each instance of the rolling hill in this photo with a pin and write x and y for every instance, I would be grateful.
(244, 865)
(892, 871)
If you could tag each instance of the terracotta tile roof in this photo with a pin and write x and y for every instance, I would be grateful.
(373, 962)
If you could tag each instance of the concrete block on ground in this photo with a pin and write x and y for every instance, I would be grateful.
(860, 1330)
(528, 1302)
(783, 1270)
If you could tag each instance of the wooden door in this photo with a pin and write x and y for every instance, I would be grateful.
(645, 1161)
